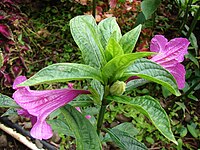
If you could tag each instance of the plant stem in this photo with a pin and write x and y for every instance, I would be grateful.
(185, 15)
(94, 8)
(174, 21)
(183, 95)
(154, 19)
(194, 21)
(101, 115)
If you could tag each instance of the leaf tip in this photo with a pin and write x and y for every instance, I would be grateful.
(175, 142)
(25, 83)
(177, 93)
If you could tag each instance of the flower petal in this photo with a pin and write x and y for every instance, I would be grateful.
(17, 81)
(158, 43)
(41, 130)
(42, 103)
(177, 48)
(174, 50)
(87, 116)
(178, 71)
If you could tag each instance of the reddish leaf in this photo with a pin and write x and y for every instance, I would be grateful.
(24, 48)
(6, 48)
(6, 58)
(113, 3)
(2, 17)
(5, 31)
(7, 80)
(16, 70)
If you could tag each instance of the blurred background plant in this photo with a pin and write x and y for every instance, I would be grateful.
(13, 44)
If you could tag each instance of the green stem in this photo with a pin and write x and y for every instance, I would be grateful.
(94, 8)
(183, 95)
(101, 115)
(193, 24)
(185, 15)
(175, 20)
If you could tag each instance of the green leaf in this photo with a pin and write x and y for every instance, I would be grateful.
(152, 71)
(117, 65)
(191, 96)
(20, 39)
(149, 7)
(82, 101)
(85, 133)
(85, 33)
(182, 131)
(113, 49)
(127, 127)
(180, 144)
(129, 40)
(6, 101)
(194, 43)
(60, 127)
(1, 59)
(182, 106)
(165, 92)
(62, 72)
(192, 39)
(193, 59)
(10, 112)
(106, 28)
(97, 90)
(149, 139)
(124, 140)
(135, 83)
(152, 109)
(140, 19)
(192, 130)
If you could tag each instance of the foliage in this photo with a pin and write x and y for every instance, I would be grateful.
(106, 72)
(14, 45)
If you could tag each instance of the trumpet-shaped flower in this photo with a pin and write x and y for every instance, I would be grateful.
(39, 104)
(169, 55)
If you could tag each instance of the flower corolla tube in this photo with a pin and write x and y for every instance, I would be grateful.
(37, 105)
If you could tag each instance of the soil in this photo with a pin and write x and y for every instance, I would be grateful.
(7, 142)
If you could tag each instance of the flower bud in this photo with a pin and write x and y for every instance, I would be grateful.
(118, 88)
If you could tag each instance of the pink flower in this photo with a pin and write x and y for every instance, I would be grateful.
(169, 56)
(39, 104)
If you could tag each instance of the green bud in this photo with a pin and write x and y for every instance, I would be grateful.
(118, 88)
